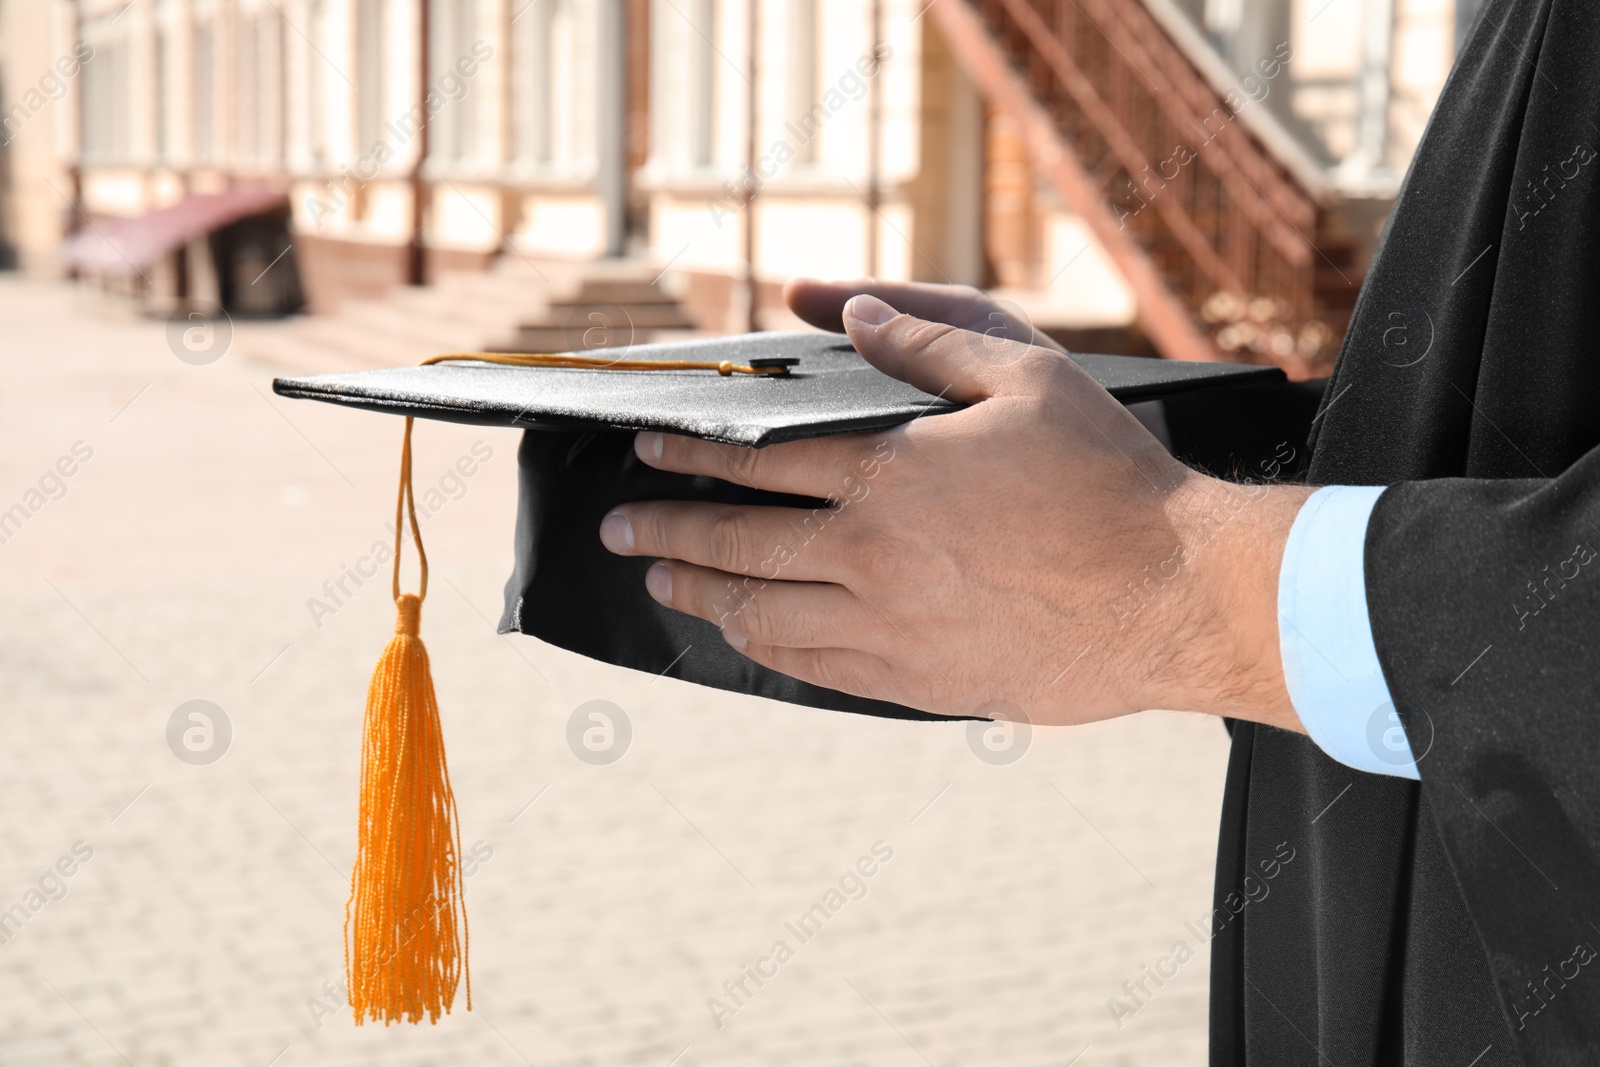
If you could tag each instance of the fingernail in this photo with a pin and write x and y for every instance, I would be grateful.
(616, 532)
(868, 309)
(658, 580)
(648, 445)
(735, 640)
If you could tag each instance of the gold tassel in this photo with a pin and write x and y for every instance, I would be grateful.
(405, 923)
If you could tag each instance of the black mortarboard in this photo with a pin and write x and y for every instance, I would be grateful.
(577, 462)
(405, 922)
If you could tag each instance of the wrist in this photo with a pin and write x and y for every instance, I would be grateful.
(1233, 537)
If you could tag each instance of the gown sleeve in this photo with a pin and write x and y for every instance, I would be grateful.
(1485, 607)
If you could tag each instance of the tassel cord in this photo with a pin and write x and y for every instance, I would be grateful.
(761, 368)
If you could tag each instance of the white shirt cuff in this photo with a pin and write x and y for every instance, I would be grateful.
(1329, 661)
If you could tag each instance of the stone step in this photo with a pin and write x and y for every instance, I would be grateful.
(290, 351)
(559, 339)
(665, 316)
(517, 305)
(489, 311)
(617, 292)
(505, 286)
(561, 271)
(378, 348)
(409, 322)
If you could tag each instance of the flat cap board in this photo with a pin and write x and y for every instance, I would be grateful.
(832, 390)
(577, 462)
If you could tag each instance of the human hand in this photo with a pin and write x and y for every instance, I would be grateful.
(1037, 549)
(821, 303)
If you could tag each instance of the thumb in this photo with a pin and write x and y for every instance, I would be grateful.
(937, 358)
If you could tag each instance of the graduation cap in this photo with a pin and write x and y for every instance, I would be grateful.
(405, 926)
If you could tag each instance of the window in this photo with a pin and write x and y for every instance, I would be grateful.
(161, 133)
(554, 87)
(269, 32)
(535, 32)
(259, 100)
(247, 92)
(1223, 19)
(684, 67)
(316, 88)
(105, 101)
(205, 93)
(452, 29)
(95, 123)
(701, 81)
(371, 37)
(803, 63)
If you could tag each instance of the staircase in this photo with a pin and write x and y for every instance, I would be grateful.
(610, 304)
(1221, 226)
(516, 306)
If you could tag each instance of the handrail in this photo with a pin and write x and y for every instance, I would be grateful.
(1168, 322)
(1120, 140)
(1303, 168)
(1101, 90)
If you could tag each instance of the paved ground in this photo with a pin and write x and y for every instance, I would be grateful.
(611, 902)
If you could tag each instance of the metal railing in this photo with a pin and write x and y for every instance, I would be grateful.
(1228, 252)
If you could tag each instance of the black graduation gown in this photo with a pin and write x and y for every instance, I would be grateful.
(1453, 923)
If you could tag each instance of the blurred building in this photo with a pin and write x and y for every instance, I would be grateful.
(1183, 176)
(38, 121)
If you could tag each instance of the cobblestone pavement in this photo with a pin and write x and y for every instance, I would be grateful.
(609, 904)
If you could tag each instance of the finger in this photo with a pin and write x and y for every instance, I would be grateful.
(790, 613)
(758, 541)
(821, 303)
(818, 467)
(846, 670)
(937, 358)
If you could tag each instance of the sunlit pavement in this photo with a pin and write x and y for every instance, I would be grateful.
(609, 903)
